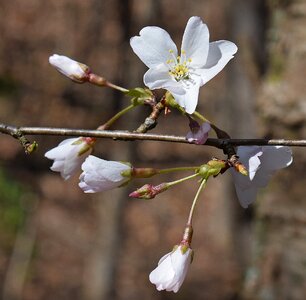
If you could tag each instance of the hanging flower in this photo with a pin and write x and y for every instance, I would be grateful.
(69, 155)
(101, 175)
(198, 134)
(172, 269)
(182, 75)
(261, 163)
(72, 69)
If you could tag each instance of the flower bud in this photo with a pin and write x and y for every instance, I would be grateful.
(31, 147)
(149, 191)
(239, 167)
(72, 69)
(102, 175)
(69, 155)
(172, 268)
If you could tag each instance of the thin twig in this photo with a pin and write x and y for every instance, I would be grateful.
(131, 136)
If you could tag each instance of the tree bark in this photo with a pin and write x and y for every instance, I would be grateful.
(279, 265)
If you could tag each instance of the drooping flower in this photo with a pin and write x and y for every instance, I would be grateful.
(101, 175)
(72, 69)
(261, 163)
(198, 134)
(172, 269)
(69, 155)
(182, 75)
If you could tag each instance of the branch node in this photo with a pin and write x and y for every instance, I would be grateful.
(29, 147)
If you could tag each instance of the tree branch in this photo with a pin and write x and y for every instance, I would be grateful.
(18, 132)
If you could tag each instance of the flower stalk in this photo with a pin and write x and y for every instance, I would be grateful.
(113, 119)
(202, 185)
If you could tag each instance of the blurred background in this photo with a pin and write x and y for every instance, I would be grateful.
(58, 243)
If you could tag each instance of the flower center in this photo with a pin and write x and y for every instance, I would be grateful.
(179, 66)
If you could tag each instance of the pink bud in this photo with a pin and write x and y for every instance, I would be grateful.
(148, 191)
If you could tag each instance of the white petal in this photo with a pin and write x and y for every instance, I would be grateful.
(73, 164)
(152, 46)
(68, 67)
(189, 100)
(249, 157)
(219, 54)
(159, 77)
(247, 196)
(61, 151)
(276, 157)
(162, 274)
(196, 41)
(101, 175)
(57, 166)
(253, 165)
(68, 141)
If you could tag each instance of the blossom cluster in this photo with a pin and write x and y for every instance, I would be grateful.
(181, 76)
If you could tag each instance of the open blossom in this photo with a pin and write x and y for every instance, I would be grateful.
(72, 69)
(198, 134)
(172, 269)
(261, 163)
(182, 75)
(69, 155)
(101, 175)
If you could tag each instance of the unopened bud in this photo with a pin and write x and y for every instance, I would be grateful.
(239, 167)
(30, 148)
(72, 69)
(149, 191)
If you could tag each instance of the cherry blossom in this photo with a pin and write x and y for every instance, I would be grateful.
(182, 75)
(101, 175)
(172, 269)
(261, 163)
(72, 69)
(69, 155)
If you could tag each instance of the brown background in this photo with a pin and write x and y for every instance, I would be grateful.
(57, 243)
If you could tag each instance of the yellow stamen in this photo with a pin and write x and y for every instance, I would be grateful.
(180, 70)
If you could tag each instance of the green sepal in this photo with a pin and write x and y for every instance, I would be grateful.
(31, 147)
(127, 173)
(170, 102)
(212, 168)
(84, 149)
(78, 141)
(192, 256)
(184, 249)
(175, 248)
(140, 95)
(124, 184)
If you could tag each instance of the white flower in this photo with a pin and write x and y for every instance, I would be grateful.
(101, 175)
(198, 134)
(72, 69)
(182, 75)
(261, 162)
(172, 269)
(69, 155)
